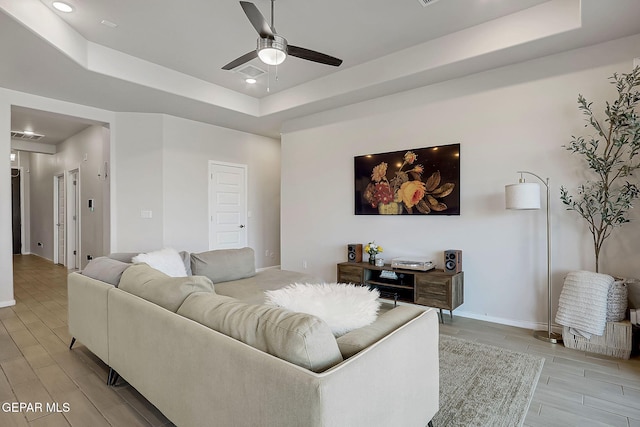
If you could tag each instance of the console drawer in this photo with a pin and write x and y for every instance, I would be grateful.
(350, 274)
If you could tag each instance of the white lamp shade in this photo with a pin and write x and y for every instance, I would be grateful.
(524, 195)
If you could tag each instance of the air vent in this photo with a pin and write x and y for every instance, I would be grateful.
(426, 2)
(27, 136)
(250, 71)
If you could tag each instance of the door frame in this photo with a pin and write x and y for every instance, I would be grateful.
(73, 206)
(245, 168)
(22, 224)
(56, 219)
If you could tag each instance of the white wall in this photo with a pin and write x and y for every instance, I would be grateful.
(161, 165)
(513, 118)
(83, 151)
(137, 182)
(188, 147)
(6, 242)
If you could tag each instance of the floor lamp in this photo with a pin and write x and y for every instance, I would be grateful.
(525, 195)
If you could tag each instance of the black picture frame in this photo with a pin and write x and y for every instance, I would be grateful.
(422, 181)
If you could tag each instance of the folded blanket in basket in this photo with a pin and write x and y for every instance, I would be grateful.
(583, 302)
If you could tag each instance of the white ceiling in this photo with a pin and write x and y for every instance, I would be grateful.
(56, 128)
(166, 56)
(198, 37)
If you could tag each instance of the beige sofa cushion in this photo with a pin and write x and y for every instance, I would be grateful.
(158, 288)
(359, 339)
(298, 338)
(224, 265)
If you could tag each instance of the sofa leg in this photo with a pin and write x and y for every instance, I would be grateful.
(112, 379)
(73, 341)
(430, 423)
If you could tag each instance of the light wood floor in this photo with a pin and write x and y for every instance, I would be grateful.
(575, 388)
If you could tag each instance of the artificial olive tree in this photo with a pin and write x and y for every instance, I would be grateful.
(612, 157)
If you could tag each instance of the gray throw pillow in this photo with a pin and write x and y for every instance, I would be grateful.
(123, 256)
(186, 259)
(224, 265)
(106, 270)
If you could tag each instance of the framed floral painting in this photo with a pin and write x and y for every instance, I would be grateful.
(424, 181)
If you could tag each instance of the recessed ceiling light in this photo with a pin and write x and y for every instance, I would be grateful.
(251, 81)
(62, 6)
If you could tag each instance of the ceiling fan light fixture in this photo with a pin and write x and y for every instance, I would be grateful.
(272, 51)
(272, 56)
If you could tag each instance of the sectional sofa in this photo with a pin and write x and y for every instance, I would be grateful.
(208, 359)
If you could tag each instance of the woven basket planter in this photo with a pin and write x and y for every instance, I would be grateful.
(615, 342)
(617, 301)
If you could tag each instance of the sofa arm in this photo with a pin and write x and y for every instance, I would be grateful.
(88, 313)
(395, 379)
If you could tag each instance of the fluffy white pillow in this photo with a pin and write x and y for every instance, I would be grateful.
(166, 260)
(344, 307)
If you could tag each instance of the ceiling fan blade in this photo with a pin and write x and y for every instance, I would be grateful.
(312, 55)
(257, 20)
(244, 58)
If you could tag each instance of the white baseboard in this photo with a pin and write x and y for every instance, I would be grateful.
(277, 267)
(534, 326)
(7, 303)
(40, 256)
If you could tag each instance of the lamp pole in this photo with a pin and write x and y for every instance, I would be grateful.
(548, 335)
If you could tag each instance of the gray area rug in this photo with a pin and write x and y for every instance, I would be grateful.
(482, 385)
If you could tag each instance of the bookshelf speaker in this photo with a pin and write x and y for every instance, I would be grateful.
(452, 261)
(354, 252)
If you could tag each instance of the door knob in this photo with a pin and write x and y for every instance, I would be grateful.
(241, 225)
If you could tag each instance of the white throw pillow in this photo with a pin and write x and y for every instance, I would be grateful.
(343, 307)
(166, 260)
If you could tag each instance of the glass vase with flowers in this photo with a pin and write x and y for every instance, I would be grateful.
(372, 249)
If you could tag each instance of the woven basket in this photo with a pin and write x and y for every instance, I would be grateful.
(617, 301)
(615, 342)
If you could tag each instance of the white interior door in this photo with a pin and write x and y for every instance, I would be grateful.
(59, 220)
(227, 205)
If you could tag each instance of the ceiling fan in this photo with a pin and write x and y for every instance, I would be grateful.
(272, 48)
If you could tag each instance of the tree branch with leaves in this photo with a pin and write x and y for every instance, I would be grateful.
(612, 156)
